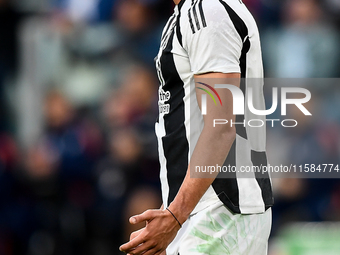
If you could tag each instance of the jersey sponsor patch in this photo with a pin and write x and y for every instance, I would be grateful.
(164, 96)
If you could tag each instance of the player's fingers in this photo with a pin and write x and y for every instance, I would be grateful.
(136, 233)
(160, 253)
(131, 245)
(153, 252)
(144, 248)
(145, 216)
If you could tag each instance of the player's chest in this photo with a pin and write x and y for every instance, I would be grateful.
(172, 57)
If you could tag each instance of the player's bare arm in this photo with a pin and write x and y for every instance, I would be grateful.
(161, 226)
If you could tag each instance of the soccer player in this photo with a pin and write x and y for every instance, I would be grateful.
(207, 41)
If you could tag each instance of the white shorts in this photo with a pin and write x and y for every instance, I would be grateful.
(217, 231)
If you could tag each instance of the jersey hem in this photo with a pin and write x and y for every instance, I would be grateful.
(218, 70)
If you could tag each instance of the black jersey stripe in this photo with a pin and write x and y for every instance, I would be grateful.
(242, 30)
(239, 24)
(181, 4)
(190, 21)
(243, 58)
(200, 7)
(193, 7)
(226, 187)
(240, 128)
(239, 119)
(164, 42)
(259, 159)
(175, 143)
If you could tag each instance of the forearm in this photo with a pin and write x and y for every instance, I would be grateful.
(205, 154)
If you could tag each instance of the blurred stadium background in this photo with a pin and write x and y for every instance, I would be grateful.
(78, 101)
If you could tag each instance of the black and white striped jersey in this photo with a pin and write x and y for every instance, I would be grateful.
(209, 36)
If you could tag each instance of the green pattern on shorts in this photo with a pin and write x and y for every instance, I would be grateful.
(226, 244)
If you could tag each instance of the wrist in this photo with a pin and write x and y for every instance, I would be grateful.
(179, 212)
(173, 215)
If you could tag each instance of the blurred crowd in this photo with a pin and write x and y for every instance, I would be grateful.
(78, 103)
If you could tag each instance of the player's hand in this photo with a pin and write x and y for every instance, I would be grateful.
(161, 228)
(136, 233)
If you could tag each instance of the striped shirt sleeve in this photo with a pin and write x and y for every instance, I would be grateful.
(211, 41)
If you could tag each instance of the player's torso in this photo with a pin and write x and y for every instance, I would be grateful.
(180, 121)
(173, 63)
